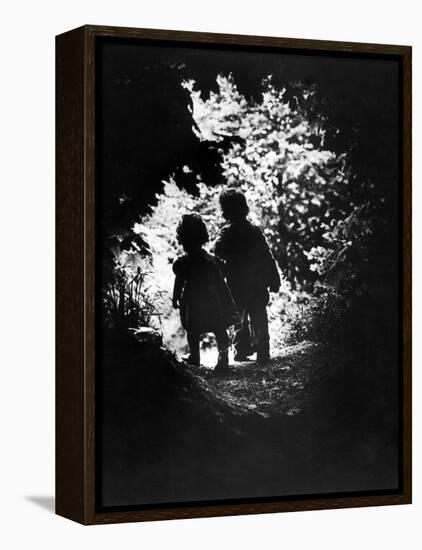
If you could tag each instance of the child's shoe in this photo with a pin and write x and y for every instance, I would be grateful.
(263, 359)
(192, 359)
(241, 357)
(223, 361)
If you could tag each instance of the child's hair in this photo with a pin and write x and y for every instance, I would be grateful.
(191, 231)
(233, 204)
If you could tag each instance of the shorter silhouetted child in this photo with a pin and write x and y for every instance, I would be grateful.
(200, 291)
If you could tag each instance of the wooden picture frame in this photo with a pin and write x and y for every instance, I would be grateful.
(75, 278)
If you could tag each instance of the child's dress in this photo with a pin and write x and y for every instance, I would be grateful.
(206, 303)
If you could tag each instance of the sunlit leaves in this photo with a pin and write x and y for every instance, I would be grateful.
(299, 192)
(291, 182)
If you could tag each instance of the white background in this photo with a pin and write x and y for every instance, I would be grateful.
(27, 272)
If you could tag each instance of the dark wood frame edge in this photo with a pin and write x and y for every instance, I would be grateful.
(75, 272)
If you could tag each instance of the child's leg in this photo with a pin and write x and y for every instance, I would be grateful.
(242, 337)
(223, 349)
(222, 339)
(193, 342)
(259, 322)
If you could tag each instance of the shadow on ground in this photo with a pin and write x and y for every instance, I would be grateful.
(45, 502)
(312, 421)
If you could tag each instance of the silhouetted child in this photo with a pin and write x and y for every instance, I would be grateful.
(250, 270)
(200, 291)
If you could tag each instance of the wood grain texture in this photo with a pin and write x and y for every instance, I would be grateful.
(220, 510)
(247, 40)
(70, 380)
(89, 255)
(75, 275)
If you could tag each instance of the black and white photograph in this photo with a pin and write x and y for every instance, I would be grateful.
(248, 274)
(210, 236)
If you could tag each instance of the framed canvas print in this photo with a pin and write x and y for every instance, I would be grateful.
(233, 274)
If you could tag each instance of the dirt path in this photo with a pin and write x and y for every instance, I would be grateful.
(281, 387)
(314, 420)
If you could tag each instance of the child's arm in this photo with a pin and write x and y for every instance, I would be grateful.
(270, 265)
(179, 281)
(221, 245)
(177, 290)
(274, 278)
